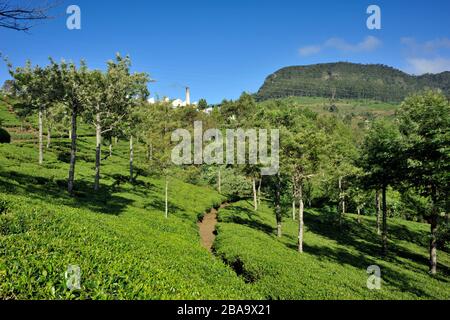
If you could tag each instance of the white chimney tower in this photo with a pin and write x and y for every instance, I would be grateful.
(188, 96)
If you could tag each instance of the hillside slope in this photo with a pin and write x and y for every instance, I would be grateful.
(127, 249)
(120, 239)
(334, 264)
(349, 81)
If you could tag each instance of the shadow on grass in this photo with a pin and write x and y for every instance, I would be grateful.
(246, 217)
(358, 246)
(160, 205)
(46, 189)
(364, 239)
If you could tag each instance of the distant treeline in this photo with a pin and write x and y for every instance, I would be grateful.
(349, 81)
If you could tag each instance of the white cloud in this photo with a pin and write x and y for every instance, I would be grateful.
(428, 56)
(427, 47)
(309, 50)
(423, 65)
(368, 44)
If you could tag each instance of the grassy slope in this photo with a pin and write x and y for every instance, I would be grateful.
(335, 260)
(125, 247)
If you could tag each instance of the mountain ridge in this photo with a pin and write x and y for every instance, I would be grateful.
(349, 80)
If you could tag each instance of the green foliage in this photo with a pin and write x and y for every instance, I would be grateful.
(202, 104)
(425, 123)
(382, 159)
(335, 260)
(124, 246)
(128, 250)
(348, 81)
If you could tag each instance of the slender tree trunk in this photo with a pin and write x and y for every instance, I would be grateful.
(293, 209)
(255, 196)
(433, 244)
(167, 198)
(433, 233)
(359, 214)
(300, 218)
(98, 151)
(384, 234)
(219, 181)
(341, 202)
(49, 137)
(41, 148)
(294, 198)
(110, 146)
(70, 133)
(278, 206)
(73, 150)
(378, 211)
(259, 191)
(131, 158)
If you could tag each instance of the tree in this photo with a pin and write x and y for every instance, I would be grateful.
(202, 104)
(126, 91)
(21, 17)
(307, 157)
(303, 148)
(109, 99)
(275, 186)
(35, 87)
(383, 164)
(343, 154)
(161, 124)
(96, 110)
(425, 122)
(56, 118)
(69, 85)
(8, 87)
(239, 115)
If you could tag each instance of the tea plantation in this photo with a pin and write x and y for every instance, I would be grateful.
(126, 248)
(334, 264)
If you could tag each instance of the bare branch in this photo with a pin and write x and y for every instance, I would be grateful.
(21, 17)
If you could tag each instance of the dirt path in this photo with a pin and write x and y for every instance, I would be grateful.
(207, 227)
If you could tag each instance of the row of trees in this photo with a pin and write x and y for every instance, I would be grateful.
(413, 153)
(322, 161)
(103, 99)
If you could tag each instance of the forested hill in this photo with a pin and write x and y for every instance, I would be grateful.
(349, 80)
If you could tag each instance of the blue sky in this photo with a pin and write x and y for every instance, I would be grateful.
(221, 48)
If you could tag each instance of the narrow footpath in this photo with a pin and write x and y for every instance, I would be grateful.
(207, 227)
